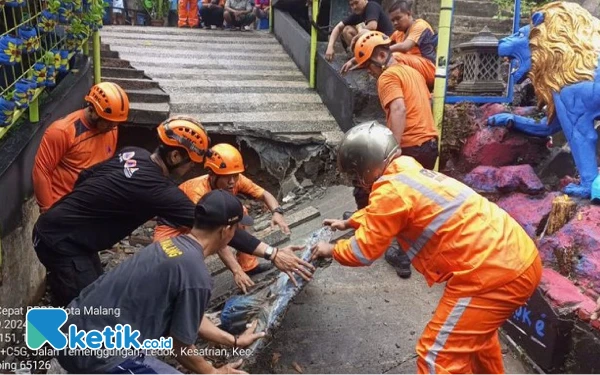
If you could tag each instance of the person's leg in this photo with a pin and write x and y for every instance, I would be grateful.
(348, 33)
(248, 19)
(143, 365)
(206, 16)
(183, 13)
(193, 14)
(218, 17)
(229, 18)
(462, 335)
(426, 154)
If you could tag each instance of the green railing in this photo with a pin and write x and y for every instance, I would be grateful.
(37, 40)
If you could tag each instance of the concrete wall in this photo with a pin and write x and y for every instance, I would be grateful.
(294, 40)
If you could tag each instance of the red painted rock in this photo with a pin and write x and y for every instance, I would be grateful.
(525, 111)
(490, 109)
(499, 147)
(581, 238)
(527, 210)
(561, 291)
(520, 178)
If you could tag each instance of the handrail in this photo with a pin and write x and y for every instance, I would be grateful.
(313, 44)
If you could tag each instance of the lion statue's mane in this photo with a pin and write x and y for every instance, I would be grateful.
(564, 50)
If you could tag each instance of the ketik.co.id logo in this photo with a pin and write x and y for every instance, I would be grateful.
(43, 326)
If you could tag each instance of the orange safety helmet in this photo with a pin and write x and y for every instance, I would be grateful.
(186, 132)
(110, 101)
(225, 160)
(366, 44)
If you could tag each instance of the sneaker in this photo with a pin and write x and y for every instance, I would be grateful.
(262, 267)
(206, 27)
(399, 260)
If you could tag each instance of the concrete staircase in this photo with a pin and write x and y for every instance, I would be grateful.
(240, 83)
(149, 104)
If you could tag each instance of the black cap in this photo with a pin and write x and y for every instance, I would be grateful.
(220, 207)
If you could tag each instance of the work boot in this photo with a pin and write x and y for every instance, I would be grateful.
(262, 267)
(398, 259)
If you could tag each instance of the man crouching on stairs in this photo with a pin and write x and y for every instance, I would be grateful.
(226, 166)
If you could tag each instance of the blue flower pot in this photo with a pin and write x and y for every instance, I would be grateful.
(65, 13)
(39, 74)
(47, 21)
(10, 50)
(64, 61)
(51, 77)
(23, 93)
(16, 3)
(31, 40)
(7, 110)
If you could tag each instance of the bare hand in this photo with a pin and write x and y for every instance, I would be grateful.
(230, 368)
(288, 262)
(347, 66)
(249, 336)
(278, 220)
(243, 281)
(329, 54)
(336, 224)
(322, 250)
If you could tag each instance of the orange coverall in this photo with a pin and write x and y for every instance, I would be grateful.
(451, 234)
(195, 189)
(188, 17)
(68, 146)
(419, 29)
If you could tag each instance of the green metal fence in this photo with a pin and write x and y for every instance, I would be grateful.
(37, 40)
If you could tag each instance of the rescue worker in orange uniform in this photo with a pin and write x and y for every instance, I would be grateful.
(226, 166)
(188, 13)
(452, 235)
(78, 141)
(405, 99)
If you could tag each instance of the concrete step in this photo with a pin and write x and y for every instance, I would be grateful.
(248, 98)
(181, 87)
(114, 63)
(160, 73)
(236, 107)
(216, 89)
(150, 32)
(148, 113)
(273, 119)
(272, 127)
(163, 54)
(229, 38)
(109, 54)
(195, 44)
(465, 36)
(135, 84)
(122, 73)
(477, 8)
(148, 96)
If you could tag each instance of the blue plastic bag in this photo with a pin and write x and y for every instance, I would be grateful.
(31, 40)
(10, 50)
(7, 110)
(24, 91)
(40, 70)
(47, 21)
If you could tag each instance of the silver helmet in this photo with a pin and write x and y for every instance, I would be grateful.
(365, 151)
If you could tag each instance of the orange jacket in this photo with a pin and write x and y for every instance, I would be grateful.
(420, 64)
(68, 146)
(195, 189)
(449, 232)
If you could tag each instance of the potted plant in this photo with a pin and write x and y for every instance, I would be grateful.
(48, 18)
(31, 40)
(10, 50)
(158, 11)
(7, 110)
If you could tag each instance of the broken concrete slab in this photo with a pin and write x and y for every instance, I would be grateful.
(276, 236)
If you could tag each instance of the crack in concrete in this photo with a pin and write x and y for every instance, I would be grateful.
(400, 362)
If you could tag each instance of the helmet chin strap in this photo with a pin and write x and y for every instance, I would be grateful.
(383, 66)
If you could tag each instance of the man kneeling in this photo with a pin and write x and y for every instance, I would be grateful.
(164, 290)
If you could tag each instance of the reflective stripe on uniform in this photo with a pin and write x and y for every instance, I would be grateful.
(449, 207)
(358, 252)
(445, 331)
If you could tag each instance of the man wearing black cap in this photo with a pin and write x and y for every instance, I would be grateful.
(163, 291)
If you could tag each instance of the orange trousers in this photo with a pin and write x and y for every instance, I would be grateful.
(187, 16)
(247, 261)
(462, 336)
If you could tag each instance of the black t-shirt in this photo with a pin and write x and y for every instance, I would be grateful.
(113, 198)
(373, 12)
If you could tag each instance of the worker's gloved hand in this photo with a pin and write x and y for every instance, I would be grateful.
(243, 281)
(278, 220)
(286, 261)
(249, 336)
(322, 250)
(501, 119)
(230, 368)
(336, 224)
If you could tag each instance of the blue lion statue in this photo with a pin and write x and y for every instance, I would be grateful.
(559, 51)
